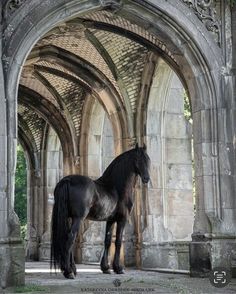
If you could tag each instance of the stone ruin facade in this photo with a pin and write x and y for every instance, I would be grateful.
(83, 81)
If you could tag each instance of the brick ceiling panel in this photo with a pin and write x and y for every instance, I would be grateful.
(129, 58)
(60, 68)
(80, 46)
(118, 21)
(72, 96)
(34, 122)
(37, 86)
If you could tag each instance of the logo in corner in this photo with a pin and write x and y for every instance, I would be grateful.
(117, 282)
(220, 277)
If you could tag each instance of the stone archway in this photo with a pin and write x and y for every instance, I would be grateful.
(197, 59)
(100, 152)
(169, 207)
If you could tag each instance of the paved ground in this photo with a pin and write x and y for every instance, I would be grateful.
(90, 280)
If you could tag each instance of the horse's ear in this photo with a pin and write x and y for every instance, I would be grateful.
(136, 146)
(144, 147)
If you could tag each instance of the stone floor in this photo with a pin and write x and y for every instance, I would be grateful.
(90, 280)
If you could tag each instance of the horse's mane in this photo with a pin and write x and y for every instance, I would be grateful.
(117, 173)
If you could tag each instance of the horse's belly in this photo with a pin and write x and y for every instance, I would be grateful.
(102, 209)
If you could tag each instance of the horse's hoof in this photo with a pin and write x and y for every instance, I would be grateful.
(119, 270)
(107, 271)
(70, 276)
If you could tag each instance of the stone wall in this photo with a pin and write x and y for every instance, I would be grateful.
(75, 57)
(170, 195)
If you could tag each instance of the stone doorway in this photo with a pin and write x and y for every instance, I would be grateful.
(59, 60)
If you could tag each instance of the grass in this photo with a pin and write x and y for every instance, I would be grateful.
(30, 289)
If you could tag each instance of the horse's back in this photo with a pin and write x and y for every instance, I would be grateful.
(77, 180)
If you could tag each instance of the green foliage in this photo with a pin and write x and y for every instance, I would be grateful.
(232, 2)
(21, 189)
(30, 289)
(187, 108)
(188, 116)
(23, 230)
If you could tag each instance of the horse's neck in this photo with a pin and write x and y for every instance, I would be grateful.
(130, 185)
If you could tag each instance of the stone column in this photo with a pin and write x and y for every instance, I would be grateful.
(53, 173)
(32, 221)
(214, 237)
(11, 247)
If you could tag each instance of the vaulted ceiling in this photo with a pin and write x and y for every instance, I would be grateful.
(78, 59)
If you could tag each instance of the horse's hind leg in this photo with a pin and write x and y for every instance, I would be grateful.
(104, 262)
(119, 233)
(70, 269)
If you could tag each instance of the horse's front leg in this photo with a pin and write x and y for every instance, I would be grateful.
(72, 260)
(119, 233)
(104, 262)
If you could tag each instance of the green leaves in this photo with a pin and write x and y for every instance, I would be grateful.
(232, 2)
(187, 108)
(21, 187)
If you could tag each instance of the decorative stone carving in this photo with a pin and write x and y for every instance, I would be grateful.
(12, 6)
(77, 160)
(115, 5)
(206, 12)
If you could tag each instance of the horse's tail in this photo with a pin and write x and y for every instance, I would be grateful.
(60, 225)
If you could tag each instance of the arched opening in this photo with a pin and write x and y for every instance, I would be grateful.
(170, 195)
(20, 204)
(119, 77)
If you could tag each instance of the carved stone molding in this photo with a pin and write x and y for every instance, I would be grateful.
(206, 12)
(11, 6)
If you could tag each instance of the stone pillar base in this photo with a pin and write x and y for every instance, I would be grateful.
(44, 251)
(214, 252)
(45, 247)
(200, 261)
(31, 252)
(169, 255)
(91, 253)
(223, 253)
(12, 262)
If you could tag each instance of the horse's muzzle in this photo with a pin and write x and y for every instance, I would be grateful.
(145, 180)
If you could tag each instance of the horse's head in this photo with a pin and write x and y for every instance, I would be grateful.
(142, 163)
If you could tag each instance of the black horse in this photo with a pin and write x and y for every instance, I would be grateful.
(109, 199)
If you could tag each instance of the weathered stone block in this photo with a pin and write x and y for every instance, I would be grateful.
(177, 126)
(223, 254)
(200, 259)
(176, 100)
(156, 175)
(94, 166)
(3, 223)
(12, 263)
(155, 201)
(179, 176)
(154, 123)
(171, 255)
(154, 144)
(53, 159)
(180, 202)
(178, 151)
(94, 142)
(181, 226)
